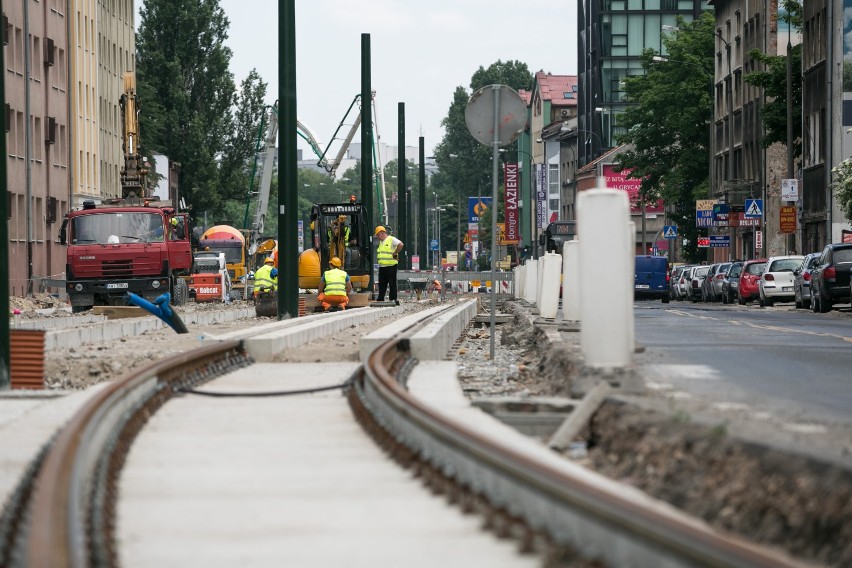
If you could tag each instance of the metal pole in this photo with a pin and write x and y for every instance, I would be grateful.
(366, 146)
(458, 234)
(401, 169)
(494, 157)
(421, 203)
(5, 381)
(791, 238)
(288, 213)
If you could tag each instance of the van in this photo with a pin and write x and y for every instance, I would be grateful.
(652, 278)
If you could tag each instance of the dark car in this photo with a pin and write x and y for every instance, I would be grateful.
(830, 277)
(699, 274)
(749, 284)
(712, 287)
(652, 278)
(802, 280)
(730, 283)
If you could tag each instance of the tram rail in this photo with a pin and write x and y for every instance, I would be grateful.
(62, 514)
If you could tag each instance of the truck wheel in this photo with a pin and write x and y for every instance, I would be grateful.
(180, 293)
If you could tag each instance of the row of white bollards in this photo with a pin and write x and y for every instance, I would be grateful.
(595, 273)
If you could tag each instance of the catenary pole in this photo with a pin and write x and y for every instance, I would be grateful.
(288, 237)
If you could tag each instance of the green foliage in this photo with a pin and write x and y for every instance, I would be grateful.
(842, 186)
(186, 91)
(668, 127)
(465, 164)
(847, 76)
(773, 79)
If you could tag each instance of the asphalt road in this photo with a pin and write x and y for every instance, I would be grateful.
(778, 360)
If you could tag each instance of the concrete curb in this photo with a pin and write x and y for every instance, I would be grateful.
(265, 346)
(112, 330)
(433, 341)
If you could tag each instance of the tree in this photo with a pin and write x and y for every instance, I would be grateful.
(842, 186)
(773, 81)
(186, 91)
(239, 159)
(466, 162)
(668, 126)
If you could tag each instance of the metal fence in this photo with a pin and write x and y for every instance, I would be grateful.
(463, 282)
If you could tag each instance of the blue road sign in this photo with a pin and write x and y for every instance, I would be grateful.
(670, 231)
(753, 208)
(720, 241)
(433, 244)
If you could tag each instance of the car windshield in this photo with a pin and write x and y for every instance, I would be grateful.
(755, 268)
(785, 265)
(735, 270)
(112, 228)
(843, 255)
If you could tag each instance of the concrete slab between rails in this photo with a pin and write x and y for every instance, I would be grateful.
(434, 340)
(263, 347)
(28, 420)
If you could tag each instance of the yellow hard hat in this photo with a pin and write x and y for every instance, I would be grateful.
(334, 262)
(268, 260)
(174, 221)
(380, 229)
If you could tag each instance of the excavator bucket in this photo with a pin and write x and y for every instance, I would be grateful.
(266, 304)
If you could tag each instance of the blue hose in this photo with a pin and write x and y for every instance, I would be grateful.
(159, 308)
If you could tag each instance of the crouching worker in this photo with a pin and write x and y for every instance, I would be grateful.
(334, 287)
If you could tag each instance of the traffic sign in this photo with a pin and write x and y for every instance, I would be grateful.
(753, 208)
(433, 244)
(670, 231)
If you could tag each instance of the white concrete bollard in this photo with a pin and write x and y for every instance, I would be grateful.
(550, 281)
(520, 272)
(539, 280)
(531, 280)
(571, 281)
(606, 265)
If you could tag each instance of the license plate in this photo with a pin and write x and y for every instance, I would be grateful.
(116, 285)
(786, 288)
(643, 286)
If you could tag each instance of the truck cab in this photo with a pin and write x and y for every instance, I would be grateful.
(115, 248)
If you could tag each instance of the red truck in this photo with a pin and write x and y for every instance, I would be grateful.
(118, 247)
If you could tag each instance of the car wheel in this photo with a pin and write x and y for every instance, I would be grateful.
(814, 301)
(741, 300)
(824, 305)
(798, 299)
(768, 302)
(760, 301)
(724, 297)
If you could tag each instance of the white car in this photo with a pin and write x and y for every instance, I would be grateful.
(776, 283)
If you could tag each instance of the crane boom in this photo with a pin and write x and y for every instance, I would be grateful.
(267, 156)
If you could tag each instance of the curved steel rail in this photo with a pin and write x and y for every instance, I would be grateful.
(69, 521)
(564, 504)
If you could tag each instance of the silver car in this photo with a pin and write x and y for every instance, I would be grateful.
(802, 280)
(776, 282)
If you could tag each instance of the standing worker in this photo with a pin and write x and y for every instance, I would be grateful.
(387, 255)
(266, 277)
(339, 237)
(334, 287)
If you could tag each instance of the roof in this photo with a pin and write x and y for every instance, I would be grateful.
(526, 96)
(560, 90)
(590, 167)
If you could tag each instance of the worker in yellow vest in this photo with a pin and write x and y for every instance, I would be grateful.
(334, 287)
(387, 255)
(266, 277)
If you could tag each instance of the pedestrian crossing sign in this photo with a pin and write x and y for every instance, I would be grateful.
(670, 231)
(753, 208)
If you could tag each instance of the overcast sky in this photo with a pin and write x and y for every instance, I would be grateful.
(421, 51)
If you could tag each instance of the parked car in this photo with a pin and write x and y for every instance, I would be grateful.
(830, 277)
(731, 281)
(712, 289)
(651, 279)
(802, 280)
(776, 282)
(673, 280)
(698, 276)
(684, 283)
(747, 288)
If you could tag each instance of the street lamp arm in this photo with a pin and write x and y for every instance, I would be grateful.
(572, 130)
